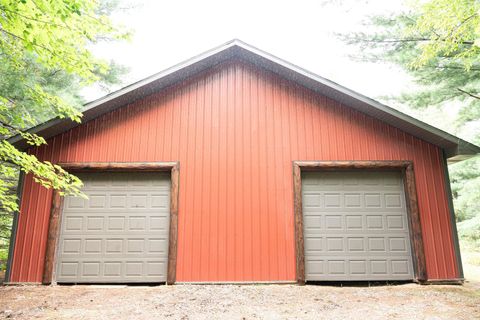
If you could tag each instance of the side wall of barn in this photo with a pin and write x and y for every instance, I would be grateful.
(235, 131)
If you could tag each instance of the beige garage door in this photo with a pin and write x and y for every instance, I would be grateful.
(355, 226)
(118, 235)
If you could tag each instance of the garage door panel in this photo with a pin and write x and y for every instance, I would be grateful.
(356, 245)
(99, 246)
(120, 233)
(354, 202)
(131, 270)
(352, 222)
(355, 226)
(133, 211)
(155, 225)
(378, 268)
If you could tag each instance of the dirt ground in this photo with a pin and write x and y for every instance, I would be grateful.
(408, 301)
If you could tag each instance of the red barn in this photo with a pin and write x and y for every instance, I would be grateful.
(236, 166)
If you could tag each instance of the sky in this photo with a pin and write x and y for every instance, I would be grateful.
(303, 32)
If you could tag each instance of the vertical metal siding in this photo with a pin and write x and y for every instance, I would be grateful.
(236, 131)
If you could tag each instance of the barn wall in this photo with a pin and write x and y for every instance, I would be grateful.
(236, 131)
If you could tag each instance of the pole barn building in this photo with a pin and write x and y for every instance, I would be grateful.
(236, 166)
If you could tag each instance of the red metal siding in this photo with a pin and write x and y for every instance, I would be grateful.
(236, 131)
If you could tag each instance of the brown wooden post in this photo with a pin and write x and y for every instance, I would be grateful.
(173, 232)
(52, 238)
(300, 249)
(415, 224)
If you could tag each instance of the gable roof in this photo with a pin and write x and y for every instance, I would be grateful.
(455, 148)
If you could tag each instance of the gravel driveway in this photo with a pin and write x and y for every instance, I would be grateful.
(409, 301)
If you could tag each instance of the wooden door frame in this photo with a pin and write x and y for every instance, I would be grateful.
(57, 208)
(406, 167)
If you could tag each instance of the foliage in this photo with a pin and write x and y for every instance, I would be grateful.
(3, 259)
(438, 43)
(44, 36)
(465, 182)
(469, 230)
(448, 29)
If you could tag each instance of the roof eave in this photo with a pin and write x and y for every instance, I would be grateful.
(462, 152)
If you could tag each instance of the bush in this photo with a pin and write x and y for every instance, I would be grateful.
(467, 202)
(6, 220)
(469, 231)
(465, 178)
(3, 259)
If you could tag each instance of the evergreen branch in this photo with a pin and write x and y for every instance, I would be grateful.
(452, 68)
(468, 43)
(469, 93)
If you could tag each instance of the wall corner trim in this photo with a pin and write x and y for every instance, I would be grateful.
(13, 234)
(453, 222)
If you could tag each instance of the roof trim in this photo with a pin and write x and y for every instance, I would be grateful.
(455, 148)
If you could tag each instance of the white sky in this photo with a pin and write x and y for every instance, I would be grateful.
(301, 32)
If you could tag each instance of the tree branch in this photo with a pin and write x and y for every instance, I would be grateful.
(451, 67)
(469, 93)
(462, 23)
(411, 40)
(11, 128)
(35, 45)
(33, 19)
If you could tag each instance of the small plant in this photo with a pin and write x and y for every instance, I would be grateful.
(3, 259)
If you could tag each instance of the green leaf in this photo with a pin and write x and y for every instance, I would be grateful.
(44, 61)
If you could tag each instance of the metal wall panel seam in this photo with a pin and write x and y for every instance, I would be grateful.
(434, 219)
(21, 229)
(452, 266)
(441, 223)
(425, 211)
(35, 253)
(42, 239)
